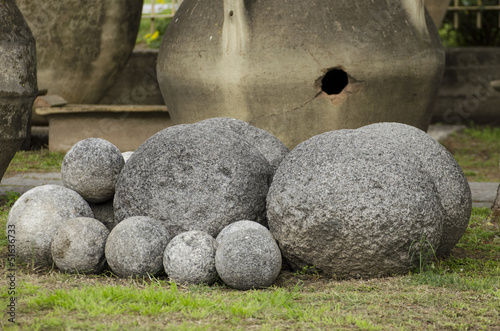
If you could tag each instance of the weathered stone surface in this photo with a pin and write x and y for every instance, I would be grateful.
(450, 181)
(38, 214)
(104, 213)
(190, 258)
(248, 259)
(18, 84)
(271, 147)
(81, 48)
(354, 204)
(135, 247)
(241, 226)
(78, 245)
(194, 177)
(91, 168)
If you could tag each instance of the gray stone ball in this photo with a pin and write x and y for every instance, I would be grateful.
(269, 145)
(354, 204)
(447, 175)
(248, 259)
(194, 177)
(78, 245)
(104, 213)
(242, 226)
(37, 215)
(91, 168)
(135, 247)
(190, 258)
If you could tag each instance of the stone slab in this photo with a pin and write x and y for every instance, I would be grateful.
(483, 194)
(24, 182)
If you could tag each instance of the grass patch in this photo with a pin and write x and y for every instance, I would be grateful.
(35, 161)
(477, 151)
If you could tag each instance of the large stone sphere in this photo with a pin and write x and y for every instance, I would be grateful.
(135, 247)
(190, 258)
(38, 214)
(354, 204)
(450, 181)
(78, 245)
(248, 259)
(91, 168)
(194, 177)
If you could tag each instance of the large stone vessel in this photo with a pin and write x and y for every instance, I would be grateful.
(81, 45)
(18, 87)
(300, 68)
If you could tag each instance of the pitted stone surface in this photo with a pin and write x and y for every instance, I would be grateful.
(248, 259)
(91, 168)
(194, 177)
(38, 214)
(354, 204)
(135, 247)
(242, 226)
(271, 147)
(450, 181)
(104, 213)
(190, 258)
(78, 245)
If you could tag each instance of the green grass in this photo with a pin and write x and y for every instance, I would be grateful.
(477, 151)
(35, 161)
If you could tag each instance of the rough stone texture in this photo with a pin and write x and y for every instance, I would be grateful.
(248, 259)
(104, 213)
(271, 147)
(38, 214)
(91, 168)
(18, 85)
(247, 66)
(81, 48)
(241, 226)
(354, 204)
(127, 155)
(193, 177)
(190, 258)
(450, 181)
(78, 245)
(135, 247)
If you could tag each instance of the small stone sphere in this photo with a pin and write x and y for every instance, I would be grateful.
(135, 247)
(78, 245)
(190, 258)
(37, 215)
(241, 225)
(91, 168)
(248, 259)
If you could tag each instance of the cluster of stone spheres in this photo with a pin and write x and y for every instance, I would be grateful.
(223, 198)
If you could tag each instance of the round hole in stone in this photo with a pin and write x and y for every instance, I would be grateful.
(334, 81)
(231, 13)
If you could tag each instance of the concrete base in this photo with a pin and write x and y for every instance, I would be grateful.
(127, 127)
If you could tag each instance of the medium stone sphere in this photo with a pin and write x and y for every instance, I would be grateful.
(135, 247)
(241, 226)
(444, 170)
(248, 259)
(354, 204)
(37, 215)
(91, 168)
(78, 245)
(194, 177)
(190, 258)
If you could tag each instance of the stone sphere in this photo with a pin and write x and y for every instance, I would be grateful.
(271, 147)
(241, 226)
(38, 214)
(450, 181)
(91, 168)
(104, 213)
(354, 204)
(78, 245)
(194, 177)
(248, 259)
(190, 258)
(135, 247)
